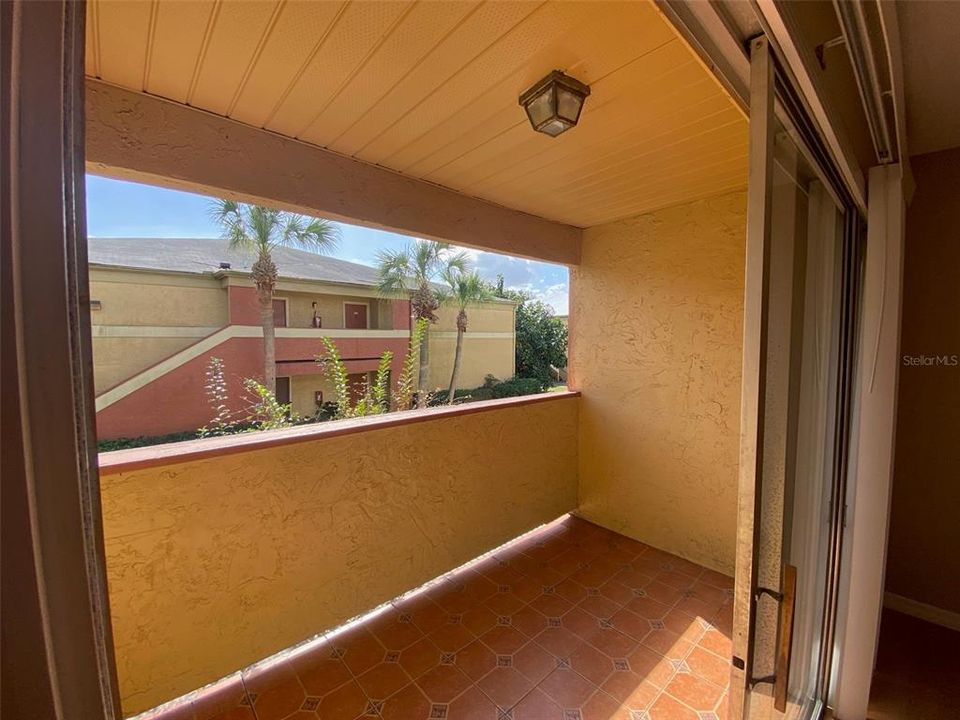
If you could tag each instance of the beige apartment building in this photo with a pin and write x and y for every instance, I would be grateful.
(161, 308)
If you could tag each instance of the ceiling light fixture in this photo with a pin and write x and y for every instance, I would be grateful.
(554, 103)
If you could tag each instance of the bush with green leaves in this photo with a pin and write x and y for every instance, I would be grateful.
(541, 337)
(375, 397)
(518, 386)
(264, 411)
(403, 397)
(215, 388)
(145, 441)
(494, 389)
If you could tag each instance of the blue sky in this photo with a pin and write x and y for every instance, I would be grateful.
(124, 209)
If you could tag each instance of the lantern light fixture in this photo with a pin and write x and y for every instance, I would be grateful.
(554, 103)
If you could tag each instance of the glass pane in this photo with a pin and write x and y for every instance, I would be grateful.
(805, 284)
(555, 127)
(541, 109)
(568, 105)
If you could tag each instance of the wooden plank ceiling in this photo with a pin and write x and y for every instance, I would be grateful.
(430, 89)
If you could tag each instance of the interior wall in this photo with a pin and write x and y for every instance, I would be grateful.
(922, 561)
(655, 347)
(216, 563)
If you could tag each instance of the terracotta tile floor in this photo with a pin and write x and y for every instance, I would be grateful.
(572, 622)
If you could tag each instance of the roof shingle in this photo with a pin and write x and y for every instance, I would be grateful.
(202, 256)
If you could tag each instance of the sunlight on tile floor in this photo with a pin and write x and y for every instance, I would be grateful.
(571, 622)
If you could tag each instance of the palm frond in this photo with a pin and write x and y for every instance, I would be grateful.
(314, 234)
(459, 261)
(260, 228)
(394, 272)
(230, 216)
(263, 223)
(467, 288)
(424, 254)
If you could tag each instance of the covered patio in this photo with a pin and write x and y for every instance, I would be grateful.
(704, 525)
(405, 116)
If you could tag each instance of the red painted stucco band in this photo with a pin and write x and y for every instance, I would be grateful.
(119, 461)
(177, 401)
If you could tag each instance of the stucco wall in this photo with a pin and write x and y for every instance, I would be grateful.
(302, 389)
(922, 561)
(134, 305)
(488, 317)
(483, 354)
(488, 348)
(656, 351)
(117, 358)
(132, 298)
(216, 563)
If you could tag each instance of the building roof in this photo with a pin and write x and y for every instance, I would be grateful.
(203, 256)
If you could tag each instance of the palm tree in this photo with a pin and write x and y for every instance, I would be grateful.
(260, 230)
(465, 289)
(412, 272)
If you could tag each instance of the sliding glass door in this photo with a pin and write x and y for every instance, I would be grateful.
(801, 287)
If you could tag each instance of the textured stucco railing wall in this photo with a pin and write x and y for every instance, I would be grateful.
(218, 562)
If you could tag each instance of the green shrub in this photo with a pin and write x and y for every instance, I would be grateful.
(493, 389)
(145, 441)
(515, 387)
(265, 412)
(462, 395)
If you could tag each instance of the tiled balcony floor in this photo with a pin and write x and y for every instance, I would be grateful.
(573, 622)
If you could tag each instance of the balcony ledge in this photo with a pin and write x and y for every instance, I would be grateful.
(120, 461)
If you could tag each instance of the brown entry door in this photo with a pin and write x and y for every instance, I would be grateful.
(279, 313)
(355, 316)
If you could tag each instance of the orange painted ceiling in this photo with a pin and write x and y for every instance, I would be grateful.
(430, 89)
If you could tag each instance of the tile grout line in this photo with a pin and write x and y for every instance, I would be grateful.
(593, 552)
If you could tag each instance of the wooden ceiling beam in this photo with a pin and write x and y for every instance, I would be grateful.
(134, 136)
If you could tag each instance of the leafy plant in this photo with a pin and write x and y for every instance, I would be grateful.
(336, 372)
(541, 336)
(403, 397)
(518, 386)
(145, 441)
(381, 385)
(215, 388)
(265, 412)
(375, 398)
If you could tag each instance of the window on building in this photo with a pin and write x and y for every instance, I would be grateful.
(279, 312)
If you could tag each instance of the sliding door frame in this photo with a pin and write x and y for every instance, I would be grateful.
(771, 97)
(57, 657)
